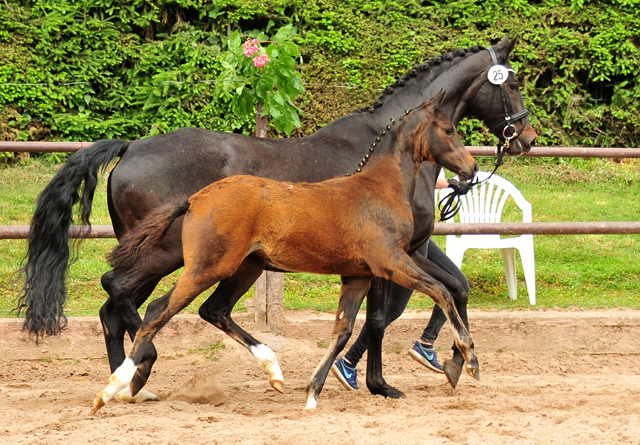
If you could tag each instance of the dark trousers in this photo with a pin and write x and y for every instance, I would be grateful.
(399, 298)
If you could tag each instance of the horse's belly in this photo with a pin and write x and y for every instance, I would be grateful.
(314, 262)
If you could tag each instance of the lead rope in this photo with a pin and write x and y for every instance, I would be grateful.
(449, 206)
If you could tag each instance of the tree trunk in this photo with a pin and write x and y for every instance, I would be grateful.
(269, 288)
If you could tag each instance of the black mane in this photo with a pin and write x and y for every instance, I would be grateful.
(425, 67)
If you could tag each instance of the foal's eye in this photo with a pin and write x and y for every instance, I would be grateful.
(450, 131)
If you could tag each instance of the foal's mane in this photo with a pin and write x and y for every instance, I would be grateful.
(426, 72)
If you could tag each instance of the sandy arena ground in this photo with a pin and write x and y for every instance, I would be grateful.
(547, 377)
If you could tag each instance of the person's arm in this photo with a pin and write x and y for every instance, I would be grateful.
(442, 183)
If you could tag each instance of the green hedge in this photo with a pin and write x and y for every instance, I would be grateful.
(142, 64)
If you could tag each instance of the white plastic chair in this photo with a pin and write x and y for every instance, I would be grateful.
(484, 204)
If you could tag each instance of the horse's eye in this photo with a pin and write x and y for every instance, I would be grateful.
(450, 131)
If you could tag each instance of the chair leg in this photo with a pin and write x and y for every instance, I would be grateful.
(529, 267)
(509, 258)
(455, 252)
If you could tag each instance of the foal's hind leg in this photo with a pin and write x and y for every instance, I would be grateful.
(217, 311)
(452, 368)
(119, 315)
(352, 293)
(193, 281)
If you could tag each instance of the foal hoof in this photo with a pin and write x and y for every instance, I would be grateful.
(98, 403)
(473, 369)
(278, 385)
(452, 371)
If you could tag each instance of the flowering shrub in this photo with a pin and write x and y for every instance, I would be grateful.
(250, 47)
(253, 74)
(261, 60)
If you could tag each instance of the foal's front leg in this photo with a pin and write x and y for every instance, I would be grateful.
(452, 368)
(407, 273)
(352, 293)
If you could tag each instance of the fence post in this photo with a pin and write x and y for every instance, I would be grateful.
(269, 288)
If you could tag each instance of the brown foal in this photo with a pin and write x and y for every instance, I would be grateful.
(358, 227)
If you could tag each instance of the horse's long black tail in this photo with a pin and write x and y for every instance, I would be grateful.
(44, 292)
(136, 245)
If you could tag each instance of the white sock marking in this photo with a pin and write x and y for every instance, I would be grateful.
(312, 402)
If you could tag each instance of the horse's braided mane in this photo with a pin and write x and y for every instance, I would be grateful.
(439, 62)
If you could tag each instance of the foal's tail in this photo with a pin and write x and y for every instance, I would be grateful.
(43, 293)
(135, 246)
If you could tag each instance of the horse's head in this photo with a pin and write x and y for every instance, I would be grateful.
(435, 139)
(501, 103)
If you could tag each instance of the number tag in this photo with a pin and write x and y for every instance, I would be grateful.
(498, 74)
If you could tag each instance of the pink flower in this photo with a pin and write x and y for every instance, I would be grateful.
(250, 47)
(261, 60)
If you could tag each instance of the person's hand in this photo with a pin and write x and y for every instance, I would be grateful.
(460, 187)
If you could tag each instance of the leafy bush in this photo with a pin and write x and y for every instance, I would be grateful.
(110, 68)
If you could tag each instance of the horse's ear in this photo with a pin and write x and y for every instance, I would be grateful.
(438, 99)
(503, 48)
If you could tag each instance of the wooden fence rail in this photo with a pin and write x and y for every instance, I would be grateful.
(537, 228)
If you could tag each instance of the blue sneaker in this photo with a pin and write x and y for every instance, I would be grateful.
(426, 356)
(347, 375)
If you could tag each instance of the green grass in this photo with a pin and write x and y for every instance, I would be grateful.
(585, 271)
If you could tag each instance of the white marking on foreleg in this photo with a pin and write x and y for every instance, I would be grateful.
(267, 358)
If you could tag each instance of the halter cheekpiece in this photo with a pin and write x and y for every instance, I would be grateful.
(497, 75)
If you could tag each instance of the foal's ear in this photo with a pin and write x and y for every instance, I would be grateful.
(438, 99)
(503, 48)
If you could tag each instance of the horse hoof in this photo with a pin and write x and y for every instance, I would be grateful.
(396, 394)
(98, 403)
(278, 385)
(125, 396)
(474, 371)
(452, 371)
(387, 391)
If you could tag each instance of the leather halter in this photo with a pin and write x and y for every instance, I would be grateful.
(509, 131)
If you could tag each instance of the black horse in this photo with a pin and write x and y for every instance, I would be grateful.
(162, 168)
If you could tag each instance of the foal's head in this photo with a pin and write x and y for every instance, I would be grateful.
(435, 139)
